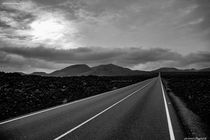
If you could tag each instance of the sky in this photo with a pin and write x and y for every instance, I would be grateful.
(46, 35)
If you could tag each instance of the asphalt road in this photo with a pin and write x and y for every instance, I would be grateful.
(140, 111)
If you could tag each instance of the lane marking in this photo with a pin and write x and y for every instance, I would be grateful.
(171, 132)
(73, 102)
(68, 132)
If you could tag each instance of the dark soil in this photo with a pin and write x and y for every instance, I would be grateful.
(194, 90)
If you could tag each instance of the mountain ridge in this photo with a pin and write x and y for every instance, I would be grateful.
(109, 70)
(73, 70)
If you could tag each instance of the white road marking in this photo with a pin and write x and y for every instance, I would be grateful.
(52, 108)
(171, 132)
(61, 136)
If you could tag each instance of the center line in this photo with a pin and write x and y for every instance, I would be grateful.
(61, 136)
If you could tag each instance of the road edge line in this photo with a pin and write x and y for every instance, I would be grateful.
(83, 123)
(170, 128)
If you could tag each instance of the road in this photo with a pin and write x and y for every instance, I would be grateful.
(139, 111)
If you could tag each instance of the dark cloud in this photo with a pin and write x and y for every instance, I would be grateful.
(203, 11)
(49, 58)
(25, 18)
(136, 56)
(199, 57)
(8, 10)
(63, 56)
(103, 5)
(4, 25)
(18, 16)
(12, 62)
(94, 55)
(51, 2)
(14, 22)
(68, 7)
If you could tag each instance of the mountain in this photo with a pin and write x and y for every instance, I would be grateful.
(108, 70)
(85, 70)
(112, 70)
(21, 73)
(205, 70)
(190, 70)
(40, 73)
(74, 70)
(166, 69)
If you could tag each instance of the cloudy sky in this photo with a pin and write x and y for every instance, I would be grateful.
(44, 35)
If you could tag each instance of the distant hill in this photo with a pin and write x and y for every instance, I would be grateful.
(108, 70)
(205, 70)
(74, 70)
(21, 73)
(85, 70)
(40, 73)
(112, 70)
(166, 69)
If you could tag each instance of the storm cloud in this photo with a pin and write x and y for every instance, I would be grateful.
(96, 55)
